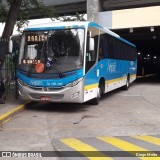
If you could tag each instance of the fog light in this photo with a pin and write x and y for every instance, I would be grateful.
(75, 95)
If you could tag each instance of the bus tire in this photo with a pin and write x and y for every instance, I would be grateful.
(100, 92)
(102, 87)
(126, 87)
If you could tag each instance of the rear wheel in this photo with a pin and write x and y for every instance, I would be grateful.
(126, 87)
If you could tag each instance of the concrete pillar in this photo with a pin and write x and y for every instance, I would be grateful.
(93, 7)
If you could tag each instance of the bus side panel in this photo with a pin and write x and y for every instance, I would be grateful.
(114, 72)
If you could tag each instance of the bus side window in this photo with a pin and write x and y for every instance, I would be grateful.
(106, 47)
(101, 47)
(111, 47)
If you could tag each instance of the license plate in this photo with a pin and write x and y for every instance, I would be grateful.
(46, 98)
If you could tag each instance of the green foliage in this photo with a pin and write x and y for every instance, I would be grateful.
(3, 11)
(28, 8)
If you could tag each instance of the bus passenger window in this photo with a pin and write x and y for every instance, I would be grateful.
(103, 47)
(111, 47)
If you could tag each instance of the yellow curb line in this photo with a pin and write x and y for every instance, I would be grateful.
(6, 116)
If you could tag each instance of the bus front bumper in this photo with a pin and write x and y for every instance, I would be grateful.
(73, 94)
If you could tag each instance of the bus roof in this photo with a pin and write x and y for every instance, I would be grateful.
(58, 25)
(91, 24)
(73, 24)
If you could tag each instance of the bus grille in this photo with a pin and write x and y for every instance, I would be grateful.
(42, 88)
(55, 97)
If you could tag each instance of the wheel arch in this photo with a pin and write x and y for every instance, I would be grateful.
(102, 84)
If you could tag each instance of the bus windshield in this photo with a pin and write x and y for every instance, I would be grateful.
(60, 50)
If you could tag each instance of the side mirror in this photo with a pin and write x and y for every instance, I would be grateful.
(10, 46)
(91, 44)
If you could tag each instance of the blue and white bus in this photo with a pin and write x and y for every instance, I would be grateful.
(73, 62)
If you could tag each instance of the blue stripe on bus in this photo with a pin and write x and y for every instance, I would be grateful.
(50, 82)
(92, 24)
(122, 39)
(55, 27)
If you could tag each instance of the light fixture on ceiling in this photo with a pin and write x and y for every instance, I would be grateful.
(131, 30)
(152, 29)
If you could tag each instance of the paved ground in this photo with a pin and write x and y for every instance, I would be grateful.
(9, 105)
(110, 126)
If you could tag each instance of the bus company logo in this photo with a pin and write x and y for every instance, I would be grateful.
(36, 83)
(111, 66)
(45, 89)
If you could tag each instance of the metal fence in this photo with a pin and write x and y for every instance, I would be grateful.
(10, 77)
(8, 70)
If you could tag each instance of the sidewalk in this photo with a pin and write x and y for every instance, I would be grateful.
(10, 108)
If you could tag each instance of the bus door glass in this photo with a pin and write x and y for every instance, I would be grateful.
(91, 69)
(91, 55)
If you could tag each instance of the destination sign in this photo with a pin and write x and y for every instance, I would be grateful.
(36, 38)
(30, 61)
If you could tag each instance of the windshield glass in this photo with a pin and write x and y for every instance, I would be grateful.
(59, 50)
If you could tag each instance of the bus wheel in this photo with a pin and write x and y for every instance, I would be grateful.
(126, 87)
(100, 92)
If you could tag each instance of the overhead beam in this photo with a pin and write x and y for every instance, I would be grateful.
(61, 10)
(70, 7)
(93, 7)
(108, 5)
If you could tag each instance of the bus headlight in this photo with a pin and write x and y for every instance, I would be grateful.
(22, 83)
(74, 83)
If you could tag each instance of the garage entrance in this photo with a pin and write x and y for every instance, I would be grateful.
(147, 40)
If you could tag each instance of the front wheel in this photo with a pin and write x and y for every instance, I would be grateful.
(126, 87)
(100, 92)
